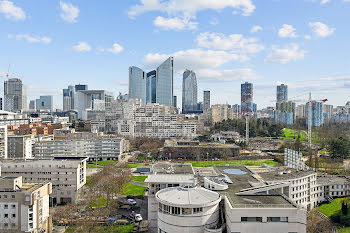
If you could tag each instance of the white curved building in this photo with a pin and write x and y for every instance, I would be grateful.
(188, 209)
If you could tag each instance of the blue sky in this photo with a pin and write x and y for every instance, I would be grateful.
(303, 43)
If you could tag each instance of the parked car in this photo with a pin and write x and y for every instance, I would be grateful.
(130, 197)
(132, 201)
(138, 218)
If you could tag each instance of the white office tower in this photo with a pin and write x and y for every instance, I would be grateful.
(188, 209)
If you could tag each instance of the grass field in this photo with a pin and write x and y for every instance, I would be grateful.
(331, 208)
(101, 229)
(93, 166)
(100, 202)
(131, 189)
(291, 134)
(138, 178)
(233, 163)
(343, 229)
(136, 165)
(107, 162)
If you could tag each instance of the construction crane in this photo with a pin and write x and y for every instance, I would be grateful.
(247, 118)
(309, 110)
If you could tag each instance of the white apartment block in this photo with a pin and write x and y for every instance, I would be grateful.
(157, 121)
(178, 203)
(67, 175)
(24, 207)
(20, 146)
(13, 119)
(3, 142)
(100, 148)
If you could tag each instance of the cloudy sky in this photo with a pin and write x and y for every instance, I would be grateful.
(302, 43)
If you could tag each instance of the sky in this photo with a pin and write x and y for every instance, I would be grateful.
(302, 43)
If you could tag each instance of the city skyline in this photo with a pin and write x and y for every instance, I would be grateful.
(226, 43)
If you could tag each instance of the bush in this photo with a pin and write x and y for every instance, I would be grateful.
(336, 217)
(345, 220)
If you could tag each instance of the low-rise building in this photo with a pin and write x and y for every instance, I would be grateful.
(24, 207)
(67, 175)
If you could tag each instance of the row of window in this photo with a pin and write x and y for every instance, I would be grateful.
(5, 196)
(7, 225)
(6, 206)
(7, 215)
(259, 219)
(178, 211)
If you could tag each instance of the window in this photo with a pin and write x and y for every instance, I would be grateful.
(175, 210)
(197, 210)
(166, 209)
(160, 207)
(13, 215)
(186, 211)
(277, 219)
(13, 196)
(6, 216)
(251, 219)
(6, 206)
(13, 206)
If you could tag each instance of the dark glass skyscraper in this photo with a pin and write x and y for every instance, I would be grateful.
(282, 93)
(151, 87)
(206, 100)
(247, 97)
(189, 92)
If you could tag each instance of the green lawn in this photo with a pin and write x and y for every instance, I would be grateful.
(131, 189)
(100, 202)
(292, 134)
(331, 208)
(107, 162)
(138, 178)
(233, 163)
(135, 165)
(343, 229)
(93, 166)
(102, 229)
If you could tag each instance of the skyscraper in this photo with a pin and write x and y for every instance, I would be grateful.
(151, 87)
(316, 113)
(15, 95)
(164, 79)
(282, 93)
(206, 100)
(247, 97)
(44, 103)
(32, 105)
(189, 92)
(137, 84)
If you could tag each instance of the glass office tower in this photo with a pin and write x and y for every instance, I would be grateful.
(282, 93)
(151, 87)
(164, 79)
(247, 97)
(137, 84)
(189, 92)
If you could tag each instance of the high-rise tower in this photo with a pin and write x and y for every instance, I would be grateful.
(189, 92)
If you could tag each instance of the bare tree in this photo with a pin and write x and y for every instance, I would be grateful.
(316, 224)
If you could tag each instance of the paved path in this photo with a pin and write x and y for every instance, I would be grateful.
(137, 183)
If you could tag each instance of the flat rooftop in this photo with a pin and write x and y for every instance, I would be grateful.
(286, 174)
(243, 179)
(331, 180)
(173, 168)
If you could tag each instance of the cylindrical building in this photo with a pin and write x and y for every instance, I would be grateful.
(188, 209)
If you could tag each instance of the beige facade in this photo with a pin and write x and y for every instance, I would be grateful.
(24, 207)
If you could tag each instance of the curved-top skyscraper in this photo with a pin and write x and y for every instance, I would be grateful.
(164, 79)
(189, 92)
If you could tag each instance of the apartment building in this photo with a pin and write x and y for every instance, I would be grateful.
(20, 146)
(11, 118)
(67, 175)
(24, 207)
(94, 146)
(3, 142)
(183, 199)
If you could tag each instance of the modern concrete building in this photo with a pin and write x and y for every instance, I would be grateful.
(164, 80)
(15, 95)
(69, 96)
(316, 113)
(138, 84)
(92, 100)
(32, 105)
(44, 103)
(109, 147)
(282, 93)
(3, 142)
(189, 92)
(247, 97)
(300, 111)
(206, 100)
(67, 175)
(24, 207)
(11, 119)
(20, 146)
(234, 198)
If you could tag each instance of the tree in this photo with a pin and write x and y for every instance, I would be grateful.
(226, 154)
(315, 224)
(344, 208)
(339, 147)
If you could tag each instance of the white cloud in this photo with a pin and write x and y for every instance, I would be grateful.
(11, 11)
(69, 12)
(320, 29)
(292, 52)
(116, 48)
(234, 42)
(242, 74)
(307, 37)
(255, 29)
(82, 47)
(175, 23)
(31, 39)
(325, 1)
(194, 59)
(214, 21)
(190, 7)
(287, 31)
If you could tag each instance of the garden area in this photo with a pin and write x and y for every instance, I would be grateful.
(338, 212)
(101, 229)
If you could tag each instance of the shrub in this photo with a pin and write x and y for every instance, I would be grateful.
(345, 220)
(336, 217)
